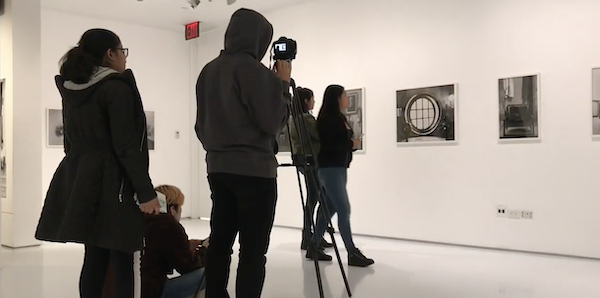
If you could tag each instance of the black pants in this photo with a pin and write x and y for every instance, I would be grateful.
(246, 205)
(95, 267)
(311, 204)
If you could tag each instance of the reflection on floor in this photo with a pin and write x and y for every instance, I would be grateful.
(403, 269)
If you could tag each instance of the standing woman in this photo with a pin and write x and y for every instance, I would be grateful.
(307, 102)
(335, 156)
(102, 186)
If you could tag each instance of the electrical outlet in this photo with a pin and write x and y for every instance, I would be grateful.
(177, 135)
(514, 214)
(527, 214)
(501, 211)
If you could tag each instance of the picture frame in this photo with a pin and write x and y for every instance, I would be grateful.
(519, 109)
(54, 128)
(355, 115)
(427, 116)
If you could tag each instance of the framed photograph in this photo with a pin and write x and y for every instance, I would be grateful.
(283, 141)
(356, 115)
(55, 128)
(519, 108)
(596, 103)
(3, 189)
(150, 130)
(426, 116)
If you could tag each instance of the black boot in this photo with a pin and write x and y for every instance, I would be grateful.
(319, 255)
(325, 244)
(357, 259)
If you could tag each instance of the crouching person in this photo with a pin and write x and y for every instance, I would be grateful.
(167, 249)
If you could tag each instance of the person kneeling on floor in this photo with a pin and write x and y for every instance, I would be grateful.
(167, 249)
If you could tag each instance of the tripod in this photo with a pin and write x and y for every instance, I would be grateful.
(309, 166)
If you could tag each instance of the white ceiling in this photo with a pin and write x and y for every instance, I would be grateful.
(165, 14)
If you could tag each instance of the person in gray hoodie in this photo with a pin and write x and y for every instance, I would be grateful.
(242, 105)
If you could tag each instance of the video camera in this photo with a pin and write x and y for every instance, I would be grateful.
(285, 49)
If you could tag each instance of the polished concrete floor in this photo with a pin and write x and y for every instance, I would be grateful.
(403, 269)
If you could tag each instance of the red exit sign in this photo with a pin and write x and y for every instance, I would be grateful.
(192, 30)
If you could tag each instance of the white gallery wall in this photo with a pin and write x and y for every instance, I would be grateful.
(160, 62)
(450, 193)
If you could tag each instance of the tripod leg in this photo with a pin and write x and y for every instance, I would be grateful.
(339, 258)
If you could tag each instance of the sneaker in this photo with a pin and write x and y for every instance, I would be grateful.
(319, 255)
(358, 259)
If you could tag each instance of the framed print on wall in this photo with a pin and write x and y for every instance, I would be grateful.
(519, 108)
(355, 114)
(55, 129)
(150, 130)
(596, 103)
(426, 116)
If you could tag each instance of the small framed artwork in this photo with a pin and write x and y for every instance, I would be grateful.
(426, 116)
(283, 141)
(355, 114)
(519, 108)
(596, 104)
(150, 130)
(55, 128)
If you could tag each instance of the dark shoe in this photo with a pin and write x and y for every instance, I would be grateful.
(304, 245)
(357, 259)
(325, 244)
(319, 255)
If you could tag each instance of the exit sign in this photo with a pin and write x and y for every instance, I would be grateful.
(192, 30)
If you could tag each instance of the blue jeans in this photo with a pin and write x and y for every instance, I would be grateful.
(334, 181)
(185, 286)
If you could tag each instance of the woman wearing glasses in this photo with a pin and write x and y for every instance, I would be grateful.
(102, 186)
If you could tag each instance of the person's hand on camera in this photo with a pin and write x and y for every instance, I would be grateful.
(151, 207)
(283, 70)
(355, 143)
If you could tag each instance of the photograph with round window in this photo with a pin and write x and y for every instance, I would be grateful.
(426, 114)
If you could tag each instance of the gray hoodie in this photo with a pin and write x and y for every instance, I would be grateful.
(242, 104)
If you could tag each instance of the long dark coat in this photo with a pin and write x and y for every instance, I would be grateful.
(91, 197)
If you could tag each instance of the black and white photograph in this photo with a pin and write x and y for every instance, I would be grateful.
(355, 115)
(426, 115)
(2, 145)
(519, 107)
(150, 130)
(55, 128)
(596, 101)
(283, 141)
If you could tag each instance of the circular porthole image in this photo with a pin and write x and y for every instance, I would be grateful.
(422, 113)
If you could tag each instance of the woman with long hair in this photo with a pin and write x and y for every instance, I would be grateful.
(306, 100)
(337, 145)
(102, 186)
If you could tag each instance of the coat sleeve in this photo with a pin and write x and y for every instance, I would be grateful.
(265, 96)
(66, 141)
(180, 256)
(127, 143)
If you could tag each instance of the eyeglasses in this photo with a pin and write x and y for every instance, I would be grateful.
(125, 51)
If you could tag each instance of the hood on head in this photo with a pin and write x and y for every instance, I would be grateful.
(248, 32)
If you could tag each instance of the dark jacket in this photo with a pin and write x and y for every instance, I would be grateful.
(167, 249)
(313, 136)
(242, 105)
(336, 142)
(91, 196)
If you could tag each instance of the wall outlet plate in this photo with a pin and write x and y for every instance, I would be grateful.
(514, 214)
(501, 211)
(527, 214)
